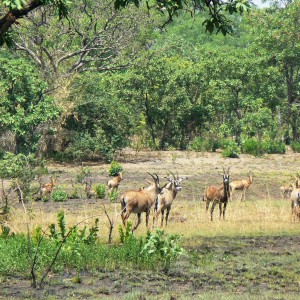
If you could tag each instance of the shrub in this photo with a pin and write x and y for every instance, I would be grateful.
(273, 147)
(252, 146)
(295, 146)
(200, 144)
(230, 149)
(115, 168)
(100, 190)
(59, 194)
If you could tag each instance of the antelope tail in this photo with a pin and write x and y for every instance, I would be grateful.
(123, 203)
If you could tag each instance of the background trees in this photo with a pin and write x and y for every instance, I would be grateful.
(101, 79)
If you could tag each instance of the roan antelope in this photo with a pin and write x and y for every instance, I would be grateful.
(241, 185)
(286, 190)
(139, 201)
(166, 197)
(295, 198)
(218, 194)
(48, 187)
(113, 184)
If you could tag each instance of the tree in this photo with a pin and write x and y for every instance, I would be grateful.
(24, 103)
(278, 36)
(96, 39)
(216, 20)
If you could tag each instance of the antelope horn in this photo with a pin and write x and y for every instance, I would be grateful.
(172, 174)
(177, 175)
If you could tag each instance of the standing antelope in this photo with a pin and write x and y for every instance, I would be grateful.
(241, 185)
(113, 184)
(218, 194)
(286, 190)
(48, 187)
(165, 198)
(139, 201)
(295, 198)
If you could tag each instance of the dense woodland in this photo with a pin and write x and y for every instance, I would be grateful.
(100, 79)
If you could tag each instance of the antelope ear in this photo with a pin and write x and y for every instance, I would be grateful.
(168, 186)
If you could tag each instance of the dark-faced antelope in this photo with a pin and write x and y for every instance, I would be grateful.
(113, 184)
(218, 194)
(241, 185)
(48, 187)
(295, 198)
(166, 197)
(139, 201)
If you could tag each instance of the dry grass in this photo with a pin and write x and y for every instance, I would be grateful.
(263, 212)
(187, 218)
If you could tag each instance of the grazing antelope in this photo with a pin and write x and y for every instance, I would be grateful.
(295, 198)
(166, 197)
(218, 194)
(48, 187)
(241, 185)
(139, 201)
(113, 184)
(286, 190)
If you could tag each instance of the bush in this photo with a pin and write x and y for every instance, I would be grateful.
(273, 147)
(200, 144)
(59, 195)
(115, 168)
(252, 146)
(230, 148)
(100, 190)
(295, 146)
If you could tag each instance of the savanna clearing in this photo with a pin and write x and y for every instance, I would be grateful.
(252, 254)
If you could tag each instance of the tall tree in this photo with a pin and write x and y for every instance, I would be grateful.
(278, 35)
(15, 10)
(24, 104)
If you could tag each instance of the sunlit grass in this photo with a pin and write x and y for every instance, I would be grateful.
(187, 218)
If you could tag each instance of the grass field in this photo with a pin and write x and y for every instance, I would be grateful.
(252, 254)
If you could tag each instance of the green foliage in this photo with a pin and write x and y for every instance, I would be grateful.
(84, 172)
(255, 147)
(59, 195)
(115, 168)
(252, 146)
(200, 144)
(113, 196)
(295, 146)
(100, 190)
(230, 148)
(166, 248)
(22, 169)
(273, 147)
(126, 235)
(24, 104)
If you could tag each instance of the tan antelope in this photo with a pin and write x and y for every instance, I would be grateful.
(295, 198)
(166, 197)
(218, 194)
(286, 190)
(139, 201)
(48, 187)
(241, 185)
(113, 184)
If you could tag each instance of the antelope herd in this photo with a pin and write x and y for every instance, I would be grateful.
(159, 199)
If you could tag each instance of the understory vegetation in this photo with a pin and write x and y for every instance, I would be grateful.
(180, 88)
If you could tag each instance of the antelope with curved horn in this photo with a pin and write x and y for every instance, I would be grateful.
(241, 185)
(218, 194)
(295, 198)
(113, 184)
(166, 197)
(139, 201)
